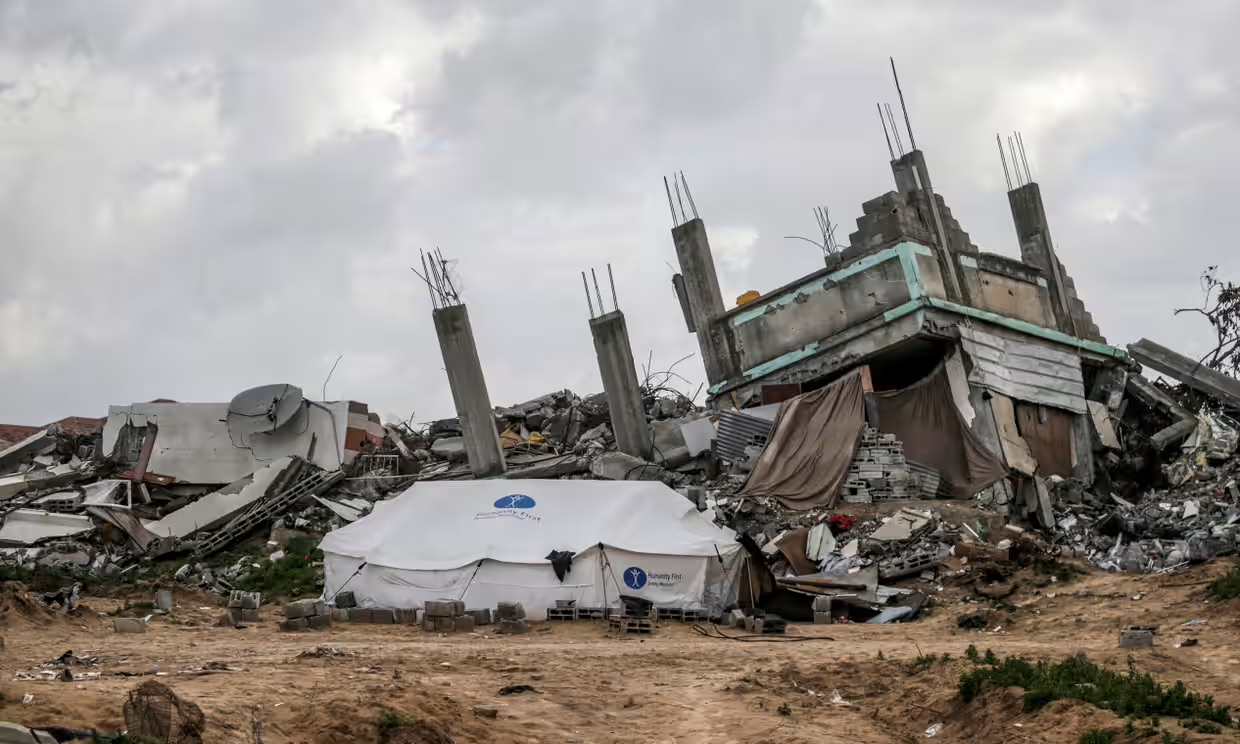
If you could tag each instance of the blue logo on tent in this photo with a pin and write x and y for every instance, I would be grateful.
(515, 501)
(634, 577)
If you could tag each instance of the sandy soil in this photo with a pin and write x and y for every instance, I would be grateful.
(674, 686)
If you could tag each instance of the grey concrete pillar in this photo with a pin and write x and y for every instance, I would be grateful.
(624, 397)
(701, 288)
(469, 390)
(1034, 233)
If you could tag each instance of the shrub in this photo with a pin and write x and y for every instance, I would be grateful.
(1077, 678)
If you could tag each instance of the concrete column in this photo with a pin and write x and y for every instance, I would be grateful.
(624, 398)
(701, 288)
(913, 176)
(1034, 233)
(469, 390)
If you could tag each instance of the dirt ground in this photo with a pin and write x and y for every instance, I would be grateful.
(589, 686)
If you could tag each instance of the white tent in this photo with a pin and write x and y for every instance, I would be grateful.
(489, 541)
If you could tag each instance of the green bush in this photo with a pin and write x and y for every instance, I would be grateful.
(1098, 736)
(1226, 586)
(1077, 678)
(295, 574)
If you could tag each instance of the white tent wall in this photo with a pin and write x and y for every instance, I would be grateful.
(690, 582)
(479, 542)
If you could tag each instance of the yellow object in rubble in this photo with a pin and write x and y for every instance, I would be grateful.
(748, 297)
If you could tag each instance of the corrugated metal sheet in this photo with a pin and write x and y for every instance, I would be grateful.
(1024, 371)
(737, 431)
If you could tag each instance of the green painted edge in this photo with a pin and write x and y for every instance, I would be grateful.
(969, 261)
(901, 251)
(812, 348)
(1030, 328)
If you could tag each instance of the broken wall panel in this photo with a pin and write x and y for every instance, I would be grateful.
(1015, 449)
(25, 526)
(216, 508)
(1048, 433)
(1025, 371)
(194, 445)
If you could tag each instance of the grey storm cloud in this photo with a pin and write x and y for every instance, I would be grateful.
(200, 197)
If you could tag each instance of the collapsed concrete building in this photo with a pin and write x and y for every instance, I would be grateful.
(909, 293)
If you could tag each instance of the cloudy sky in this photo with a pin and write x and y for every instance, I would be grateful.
(200, 197)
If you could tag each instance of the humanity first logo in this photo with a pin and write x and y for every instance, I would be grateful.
(636, 578)
(512, 506)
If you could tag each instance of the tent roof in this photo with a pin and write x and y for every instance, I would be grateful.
(434, 526)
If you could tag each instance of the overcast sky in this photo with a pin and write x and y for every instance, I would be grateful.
(200, 197)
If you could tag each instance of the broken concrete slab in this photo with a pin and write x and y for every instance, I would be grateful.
(450, 448)
(215, 509)
(901, 525)
(619, 466)
(26, 526)
(129, 625)
(1188, 371)
(35, 444)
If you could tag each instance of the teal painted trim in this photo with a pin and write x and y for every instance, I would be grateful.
(1042, 282)
(1030, 328)
(969, 261)
(812, 348)
(787, 298)
(912, 274)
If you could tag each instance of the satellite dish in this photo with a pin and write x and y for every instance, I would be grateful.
(262, 409)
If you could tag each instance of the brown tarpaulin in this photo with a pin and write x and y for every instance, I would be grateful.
(924, 417)
(813, 441)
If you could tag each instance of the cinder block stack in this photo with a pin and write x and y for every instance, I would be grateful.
(879, 471)
(512, 617)
(243, 607)
(446, 616)
(306, 613)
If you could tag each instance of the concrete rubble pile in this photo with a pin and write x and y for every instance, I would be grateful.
(563, 435)
(1193, 519)
(166, 481)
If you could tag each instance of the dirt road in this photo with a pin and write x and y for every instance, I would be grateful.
(674, 686)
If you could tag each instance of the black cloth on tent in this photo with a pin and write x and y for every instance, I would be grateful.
(561, 563)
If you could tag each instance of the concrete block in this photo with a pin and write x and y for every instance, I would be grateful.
(299, 623)
(736, 618)
(163, 600)
(442, 608)
(249, 616)
(822, 604)
(406, 616)
(359, 615)
(513, 626)
(481, 617)
(300, 608)
(428, 624)
(749, 623)
(319, 621)
(822, 618)
(1130, 637)
(320, 607)
(340, 615)
(345, 600)
(443, 624)
(464, 624)
(383, 616)
(758, 624)
(129, 625)
(251, 600)
(511, 611)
